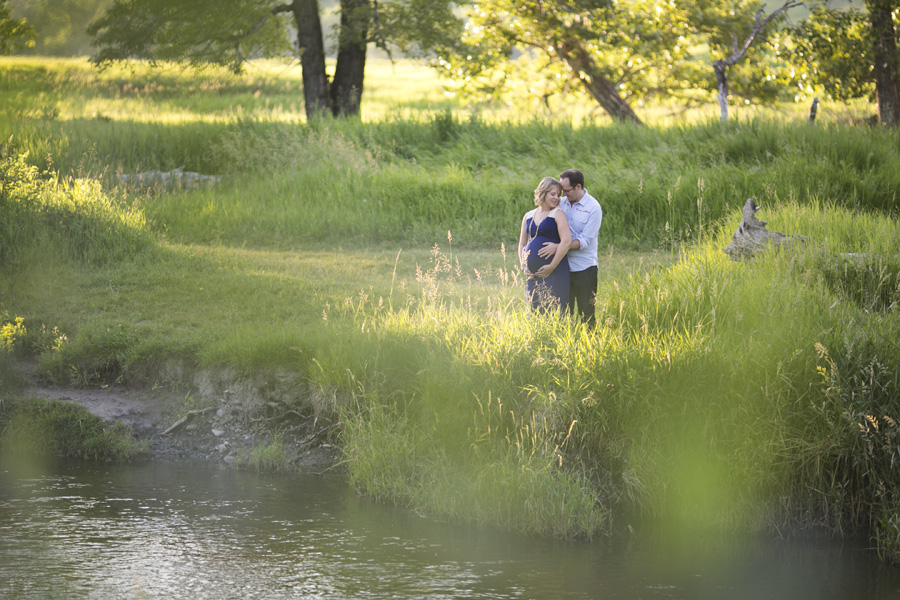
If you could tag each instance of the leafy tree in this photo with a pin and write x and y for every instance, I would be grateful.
(762, 72)
(619, 51)
(721, 65)
(229, 33)
(838, 48)
(60, 25)
(887, 60)
(835, 50)
(613, 51)
(15, 34)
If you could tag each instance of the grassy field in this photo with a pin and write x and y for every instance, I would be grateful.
(376, 258)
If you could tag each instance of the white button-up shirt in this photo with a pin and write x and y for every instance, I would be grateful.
(584, 221)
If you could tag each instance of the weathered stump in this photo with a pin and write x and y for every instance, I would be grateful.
(752, 237)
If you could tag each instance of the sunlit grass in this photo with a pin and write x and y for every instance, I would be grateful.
(268, 91)
(419, 168)
(271, 91)
(706, 398)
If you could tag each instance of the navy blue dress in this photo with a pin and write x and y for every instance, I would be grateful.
(551, 292)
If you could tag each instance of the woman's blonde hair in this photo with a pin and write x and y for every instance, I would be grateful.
(546, 184)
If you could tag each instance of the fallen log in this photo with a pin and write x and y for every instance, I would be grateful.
(752, 237)
(176, 179)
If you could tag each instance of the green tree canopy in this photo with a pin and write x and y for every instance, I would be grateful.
(618, 51)
(612, 50)
(197, 33)
(837, 48)
(61, 25)
(15, 34)
(229, 33)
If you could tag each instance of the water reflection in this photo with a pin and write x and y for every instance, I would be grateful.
(196, 531)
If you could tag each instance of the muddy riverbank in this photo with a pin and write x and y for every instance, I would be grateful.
(209, 415)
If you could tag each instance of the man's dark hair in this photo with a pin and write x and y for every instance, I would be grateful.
(574, 176)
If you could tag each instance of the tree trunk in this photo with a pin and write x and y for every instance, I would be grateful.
(347, 87)
(887, 81)
(752, 237)
(312, 57)
(598, 86)
(720, 68)
(721, 65)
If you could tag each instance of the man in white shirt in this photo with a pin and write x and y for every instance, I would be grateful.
(584, 215)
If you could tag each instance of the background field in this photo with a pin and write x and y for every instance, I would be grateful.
(376, 258)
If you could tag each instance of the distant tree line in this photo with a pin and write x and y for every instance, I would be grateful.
(623, 53)
(60, 25)
(16, 33)
(619, 53)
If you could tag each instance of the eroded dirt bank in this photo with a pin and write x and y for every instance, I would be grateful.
(205, 414)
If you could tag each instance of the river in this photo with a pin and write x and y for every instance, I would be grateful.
(197, 531)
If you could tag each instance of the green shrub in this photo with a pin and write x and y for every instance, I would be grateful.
(48, 219)
(273, 457)
(12, 343)
(97, 356)
(54, 428)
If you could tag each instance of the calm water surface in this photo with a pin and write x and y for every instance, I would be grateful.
(165, 530)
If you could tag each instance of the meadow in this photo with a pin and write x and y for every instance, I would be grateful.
(376, 257)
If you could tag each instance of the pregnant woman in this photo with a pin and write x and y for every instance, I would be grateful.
(547, 286)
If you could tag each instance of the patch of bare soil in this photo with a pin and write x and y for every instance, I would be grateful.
(236, 418)
(141, 411)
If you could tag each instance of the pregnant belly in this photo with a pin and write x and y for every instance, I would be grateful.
(535, 262)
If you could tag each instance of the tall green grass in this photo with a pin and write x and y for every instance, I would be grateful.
(353, 184)
(418, 170)
(67, 220)
(714, 394)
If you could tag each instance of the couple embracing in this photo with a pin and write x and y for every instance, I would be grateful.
(558, 247)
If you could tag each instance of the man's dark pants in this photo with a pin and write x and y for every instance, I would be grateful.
(583, 291)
